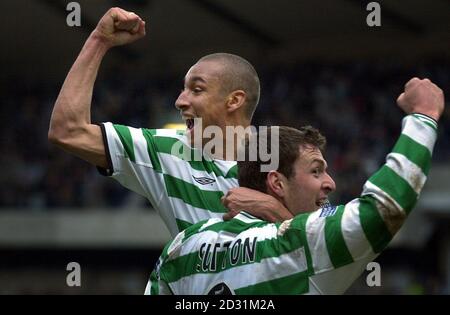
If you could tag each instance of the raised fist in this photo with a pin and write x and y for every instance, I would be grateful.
(119, 27)
(423, 97)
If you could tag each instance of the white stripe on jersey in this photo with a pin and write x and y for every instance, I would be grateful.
(426, 119)
(117, 151)
(189, 213)
(140, 147)
(315, 234)
(340, 279)
(419, 132)
(166, 209)
(265, 232)
(247, 219)
(352, 231)
(148, 287)
(170, 133)
(204, 237)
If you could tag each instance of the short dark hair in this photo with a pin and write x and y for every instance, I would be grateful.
(239, 74)
(250, 174)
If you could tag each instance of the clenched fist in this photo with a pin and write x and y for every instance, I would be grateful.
(119, 27)
(422, 97)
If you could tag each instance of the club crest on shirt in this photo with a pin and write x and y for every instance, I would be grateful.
(328, 211)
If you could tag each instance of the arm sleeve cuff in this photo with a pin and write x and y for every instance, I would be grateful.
(110, 170)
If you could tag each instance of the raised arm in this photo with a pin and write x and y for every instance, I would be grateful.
(344, 239)
(397, 185)
(70, 124)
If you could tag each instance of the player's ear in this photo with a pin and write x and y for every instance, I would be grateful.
(275, 183)
(235, 100)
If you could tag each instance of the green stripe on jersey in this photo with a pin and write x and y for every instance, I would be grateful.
(396, 187)
(180, 267)
(194, 227)
(292, 284)
(167, 145)
(182, 225)
(299, 224)
(415, 152)
(127, 141)
(373, 224)
(191, 194)
(151, 147)
(154, 289)
(232, 172)
(336, 246)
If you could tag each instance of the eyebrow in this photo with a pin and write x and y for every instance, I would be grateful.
(195, 79)
(321, 162)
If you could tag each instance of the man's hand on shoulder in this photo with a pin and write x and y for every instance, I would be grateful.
(259, 204)
(422, 97)
(119, 27)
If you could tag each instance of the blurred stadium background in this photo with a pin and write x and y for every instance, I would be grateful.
(319, 64)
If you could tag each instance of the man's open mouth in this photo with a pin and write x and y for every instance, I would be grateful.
(322, 202)
(190, 123)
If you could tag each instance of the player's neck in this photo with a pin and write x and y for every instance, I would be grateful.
(234, 135)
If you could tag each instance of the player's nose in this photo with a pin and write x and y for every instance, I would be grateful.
(182, 101)
(328, 184)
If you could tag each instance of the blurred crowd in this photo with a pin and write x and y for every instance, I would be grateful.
(352, 104)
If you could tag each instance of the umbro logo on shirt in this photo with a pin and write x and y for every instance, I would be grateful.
(204, 180)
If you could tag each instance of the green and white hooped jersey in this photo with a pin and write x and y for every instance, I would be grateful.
(161, 166)
(322, 252)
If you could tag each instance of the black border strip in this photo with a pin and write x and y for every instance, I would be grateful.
(110, 170)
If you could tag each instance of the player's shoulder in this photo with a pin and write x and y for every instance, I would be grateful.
(171, 133)
(168, 133)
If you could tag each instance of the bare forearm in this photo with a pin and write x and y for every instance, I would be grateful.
(73, 105)
(70, 124)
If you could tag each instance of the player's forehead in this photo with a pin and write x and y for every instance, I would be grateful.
(309, 154)
(209, 71)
